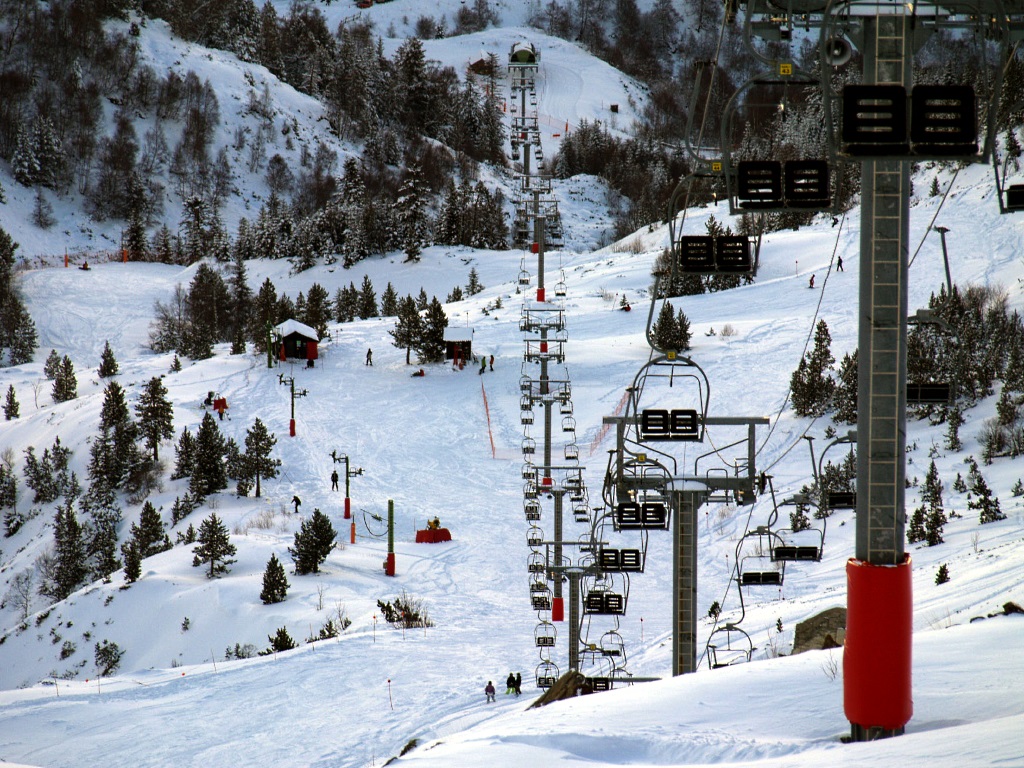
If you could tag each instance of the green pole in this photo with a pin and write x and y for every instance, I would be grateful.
(270, 344)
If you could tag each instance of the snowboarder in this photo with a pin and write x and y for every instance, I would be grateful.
(839, 264)
(510, 684)
(297, 502)
(519, 683)
(492, 362)
(334, 480)
(489, 690)
(811, 285)
(483, 364)
(369, 357)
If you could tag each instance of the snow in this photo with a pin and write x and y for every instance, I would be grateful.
(448, 445)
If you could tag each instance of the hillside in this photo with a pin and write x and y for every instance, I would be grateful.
(448, 445)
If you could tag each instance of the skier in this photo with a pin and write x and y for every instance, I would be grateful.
(812, 282)
(519, 683)
(839, 264)
(369, 357)
(492, 362)
(334, 480)
(489, 690)
(483, 364)
(296, 501)
(510, 684)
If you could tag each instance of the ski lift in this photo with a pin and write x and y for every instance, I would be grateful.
(535, 563)
(572, 452)
(603, 601)
(524, 277)
(568, 424)
(754, 563)
(545, 635)
(840, 499)
(581, 513)
(734, 646)
(535, 537)
(541, 601)
(529, 446)
(613, 646)
(526, 417)
(529, 471)
(532, 511)
(632, 515)
(530, 489)
(560, 288)
(547, 674)
(565, 406)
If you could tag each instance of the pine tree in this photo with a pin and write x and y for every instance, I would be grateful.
(185, 452)
(313, 543)
(942, 575)
(65, 385)
(149, 536)
(263, 315)
(214, 546)
(209, 474)
(8, 487)
(811, 387)
(916, 527)
(845, 400)
(389, 302)
(408, 325)
(954, 420)
(430, 345)
(473, 287)
(683, 331)
(280, 642)
(51, 368)
(155, 414)
(410, 209)
(114, 455)
(931, 497)
(108, 363)
(175, 364)
(69, 568)
(256, 461)
(318, 309)
(983, 500)
(132, 562)
(11, 407)
(367, 300)
(275, 582)
(664, 332)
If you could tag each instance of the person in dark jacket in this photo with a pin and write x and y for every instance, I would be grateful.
(510, 684)
(519, 683)
(489, 690)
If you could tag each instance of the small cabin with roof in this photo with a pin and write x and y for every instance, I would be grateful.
(458, 343)
(297, 340)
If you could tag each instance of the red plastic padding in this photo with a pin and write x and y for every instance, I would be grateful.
(879, 635)
(558, 609)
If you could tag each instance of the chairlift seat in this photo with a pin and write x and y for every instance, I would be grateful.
(759, 184)
(785, 552)
(600, 683)
(631, 560)
(807, 184)
(732, 254)
(943, 120)
(761, 578)
(841, 500)
(541, 602)
(1015, 197)
(545, 681)
(545, 641)
(928, 394)
(696, 254)
(875, 120)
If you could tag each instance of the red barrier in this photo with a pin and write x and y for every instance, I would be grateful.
(879, 638)
(558, 609)
(433, 535)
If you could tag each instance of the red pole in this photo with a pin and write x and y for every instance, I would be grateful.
(348, 507)
(291, 427)
(558, 609)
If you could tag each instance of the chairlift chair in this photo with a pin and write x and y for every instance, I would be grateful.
(572, 452)
(529, 446)
(531, 509)
(545, 635)
(546, 674)
(526, 417)
(735, 647)
(581, 512)
(529, 471)
(535, 537)
(535, 563)
(568, 424)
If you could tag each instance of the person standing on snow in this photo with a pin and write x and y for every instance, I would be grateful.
(483, 364)
(369, 357)
(510, 684)
(489, 690)
(519, 683)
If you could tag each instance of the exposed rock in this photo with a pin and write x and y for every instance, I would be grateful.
(825, 630)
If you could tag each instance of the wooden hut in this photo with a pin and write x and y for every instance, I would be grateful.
(458, 341)
(297, 340)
